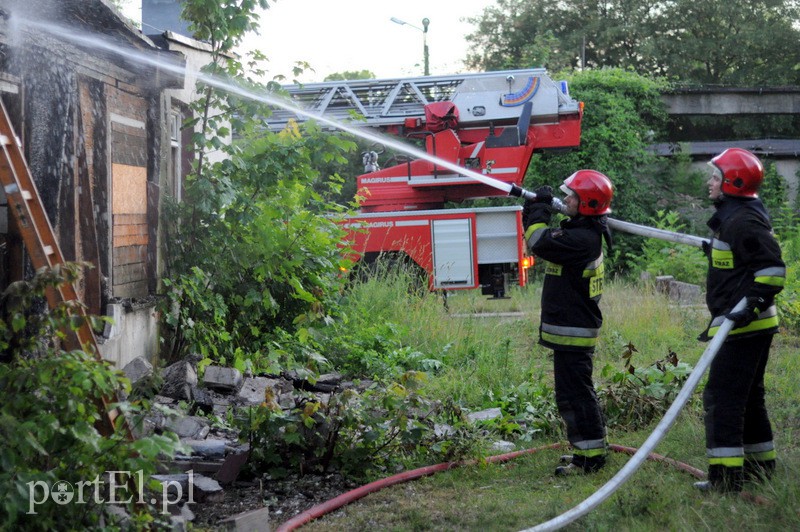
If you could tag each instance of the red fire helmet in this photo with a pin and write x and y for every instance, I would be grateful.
(594, 191)
(742, 172)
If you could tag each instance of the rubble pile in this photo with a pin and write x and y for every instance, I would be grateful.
(187, 406)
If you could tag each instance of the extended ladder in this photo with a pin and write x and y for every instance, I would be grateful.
(39, 238)
(480, 98)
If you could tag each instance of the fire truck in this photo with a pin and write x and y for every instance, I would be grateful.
(487, 123)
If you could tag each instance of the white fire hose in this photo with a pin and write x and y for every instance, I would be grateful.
(657, 435)
(669, 418)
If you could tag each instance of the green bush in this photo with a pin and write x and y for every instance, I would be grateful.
(359, 433)
(788, 300)
(659, 257)
(637, 396)
(529, 410)
(49, 418)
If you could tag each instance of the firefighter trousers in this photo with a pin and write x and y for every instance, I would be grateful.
(736, 419)
(578, 405)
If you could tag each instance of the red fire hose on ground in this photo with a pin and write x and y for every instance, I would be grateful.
(358, 493)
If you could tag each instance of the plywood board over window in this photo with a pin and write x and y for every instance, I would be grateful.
(129, 209)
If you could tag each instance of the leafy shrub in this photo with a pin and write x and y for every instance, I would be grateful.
(659, 257)
(529, 411)
(624, 113)
(358, 433)
(256, 250)
(49, 414)
(635, 396)
(788, 300)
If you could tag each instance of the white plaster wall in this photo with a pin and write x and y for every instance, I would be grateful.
(197, 55)
(788, 168)
(134, 333)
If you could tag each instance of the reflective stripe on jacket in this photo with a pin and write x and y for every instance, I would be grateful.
(573, 283)
(744, 260)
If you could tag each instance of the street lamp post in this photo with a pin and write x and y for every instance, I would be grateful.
(424, 30)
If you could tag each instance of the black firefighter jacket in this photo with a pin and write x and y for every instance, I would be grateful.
(744, 261)
(573, 282)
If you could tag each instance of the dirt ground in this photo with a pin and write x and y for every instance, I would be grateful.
(285, 499)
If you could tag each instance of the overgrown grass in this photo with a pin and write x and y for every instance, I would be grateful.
(484, 358)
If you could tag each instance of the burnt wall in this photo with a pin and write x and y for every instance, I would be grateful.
(49, 117)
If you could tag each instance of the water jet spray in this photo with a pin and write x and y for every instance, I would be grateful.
(274, 100)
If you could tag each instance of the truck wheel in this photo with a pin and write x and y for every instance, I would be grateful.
(386, 264)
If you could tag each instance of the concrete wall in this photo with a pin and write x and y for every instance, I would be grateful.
(733, 101)
(134, 333)
(788, 169)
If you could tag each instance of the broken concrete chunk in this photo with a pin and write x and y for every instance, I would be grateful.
(485, 415)
(208, 448)
(222, 379)
(178, 380)
(207, 489)
(330, 378)
(174, 484)
(137, 369)
(203, 400)
(503, 446)
(253, 390)
(678, 291)
(443, 431)
(188, 427)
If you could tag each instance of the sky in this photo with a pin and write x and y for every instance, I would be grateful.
(354, 35)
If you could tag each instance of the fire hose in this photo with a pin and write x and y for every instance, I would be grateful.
(638, 457)
(358, 493)
(655, 437)
(680, 401)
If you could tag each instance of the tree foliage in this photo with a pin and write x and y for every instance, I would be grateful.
(350, 74)
(51, 408)
(710, 42)
(623, 112)
(253, 253)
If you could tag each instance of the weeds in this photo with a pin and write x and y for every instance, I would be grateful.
(362, 434)
(48, 419)
(636, 397)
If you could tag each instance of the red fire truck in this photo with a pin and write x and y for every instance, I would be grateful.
(489, 123)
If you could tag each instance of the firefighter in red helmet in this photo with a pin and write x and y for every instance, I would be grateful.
(744, 261)
(571, 317)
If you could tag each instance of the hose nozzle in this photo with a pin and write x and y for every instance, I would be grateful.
(519, 192)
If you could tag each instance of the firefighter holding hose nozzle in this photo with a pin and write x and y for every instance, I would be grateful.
(744, 261)
(571, 317)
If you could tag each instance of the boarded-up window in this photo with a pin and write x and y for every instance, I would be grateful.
(129, 208)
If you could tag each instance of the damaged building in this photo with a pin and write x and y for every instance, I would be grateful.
(98, 109)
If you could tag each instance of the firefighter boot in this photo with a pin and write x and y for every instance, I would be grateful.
(581, 464)
(758, 470)
(722, 479)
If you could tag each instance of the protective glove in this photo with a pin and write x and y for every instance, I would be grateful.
(544, 195)
(534, 212)
(706, 245)
(744, 317)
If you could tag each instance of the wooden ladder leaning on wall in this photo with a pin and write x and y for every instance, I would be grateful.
(25, 206)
